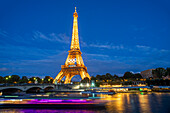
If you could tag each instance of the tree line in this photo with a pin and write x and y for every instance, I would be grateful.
(128, 77)
(161, 72)
(24, 79)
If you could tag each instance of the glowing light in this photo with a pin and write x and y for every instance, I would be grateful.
(11, 96)
(140, 89)
(81, 85)
(92, 84)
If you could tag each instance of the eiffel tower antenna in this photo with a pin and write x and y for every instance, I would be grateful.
(75, 9)
(74, 64)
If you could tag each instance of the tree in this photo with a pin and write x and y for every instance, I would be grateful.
(2, 80)
(14, 79)
(159, 72)
(39, 80)
(103, 77)
(115, 76)
(7, 79)
(108, 76)
(98, 77)
(93, 78)
(48, 79)
(24, 80)
(137, 75)
(128, 75)
(32, 79)
(85, 80)
(168, 71)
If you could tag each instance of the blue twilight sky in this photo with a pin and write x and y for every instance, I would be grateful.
(116, 35)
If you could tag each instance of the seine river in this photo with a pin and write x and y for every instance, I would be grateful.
(118, 103)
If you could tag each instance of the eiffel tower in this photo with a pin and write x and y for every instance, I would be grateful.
(74, 64)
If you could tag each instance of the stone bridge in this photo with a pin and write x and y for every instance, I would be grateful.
(40, 86)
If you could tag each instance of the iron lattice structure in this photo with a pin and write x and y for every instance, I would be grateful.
(74, 64)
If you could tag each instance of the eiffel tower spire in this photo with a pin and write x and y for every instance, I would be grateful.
(74, 64)
(75, 38)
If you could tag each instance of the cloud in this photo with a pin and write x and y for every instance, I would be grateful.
(3, 69)
(3, 33)
(143, 47)
(100, 46)
(98, 55)
(62, 38)
(107, 46)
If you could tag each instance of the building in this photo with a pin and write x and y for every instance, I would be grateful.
(147, 73)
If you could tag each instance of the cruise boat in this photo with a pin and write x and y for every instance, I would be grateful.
(98, 91)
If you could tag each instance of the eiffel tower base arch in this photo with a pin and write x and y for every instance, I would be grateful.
(70, 72)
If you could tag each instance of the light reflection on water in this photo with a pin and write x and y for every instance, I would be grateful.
(138, 103)
(118, 103)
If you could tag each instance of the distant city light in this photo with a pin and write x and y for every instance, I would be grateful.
(81, 85)
(92, 84)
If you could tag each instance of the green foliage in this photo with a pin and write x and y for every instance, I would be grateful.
(97, 84)
(159, 72)
(108, 76)
(93, 78)
(14, 78)
(48, 79)
(39, 80)
(24, 80)
(32, 79)
(85, 80)
(130, 75)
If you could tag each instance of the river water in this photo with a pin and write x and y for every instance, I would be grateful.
(118, 103)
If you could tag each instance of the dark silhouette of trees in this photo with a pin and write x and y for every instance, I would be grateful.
(48, 79)
(32, 79)
(24, 80)
(137, 76)
(115, 76)
(85, 80)
(39, 80)
(14, 78)
(2, 80)
(168, 71)
(93, 78)
(159, 72)
(158, 82)
(128, 75)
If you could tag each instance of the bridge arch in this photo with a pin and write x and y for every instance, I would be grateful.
(10, 90)
(34, 89)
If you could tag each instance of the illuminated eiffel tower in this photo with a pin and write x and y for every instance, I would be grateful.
(74, 64)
